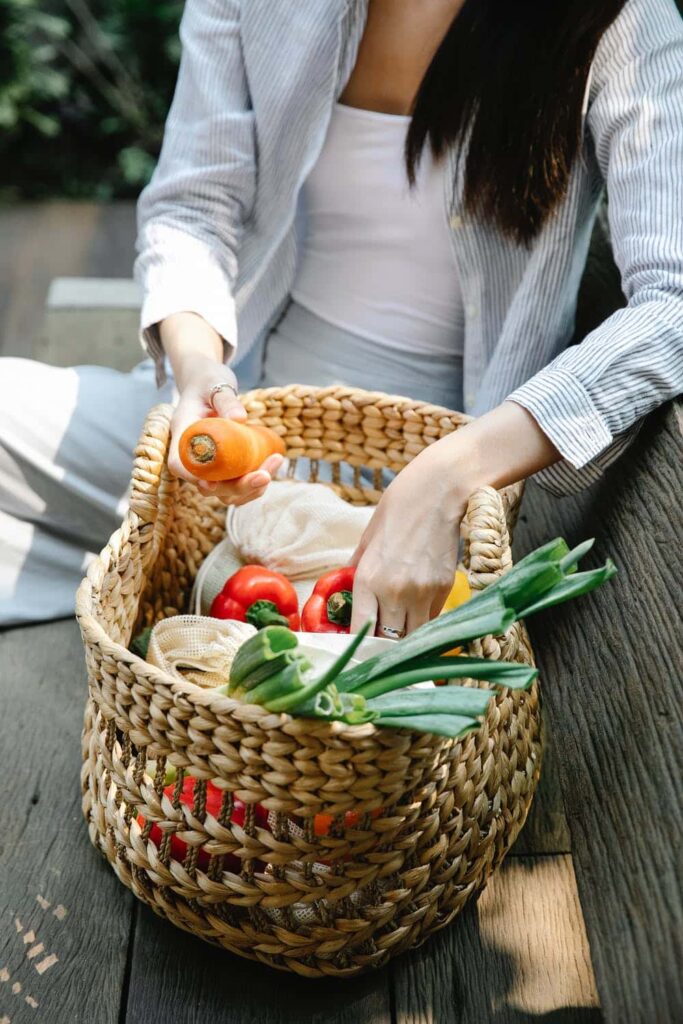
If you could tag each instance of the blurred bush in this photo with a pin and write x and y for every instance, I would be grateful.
(84, 90)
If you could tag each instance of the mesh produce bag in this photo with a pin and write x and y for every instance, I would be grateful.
(297, 528)
(197, 648)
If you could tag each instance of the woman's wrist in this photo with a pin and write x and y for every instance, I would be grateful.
(497, 449)
(192, 346)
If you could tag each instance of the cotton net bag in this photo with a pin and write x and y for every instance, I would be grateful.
(297, 528)
(197, 648)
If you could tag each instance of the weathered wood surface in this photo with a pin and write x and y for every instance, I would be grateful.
(55, 891)
(41, 241)
(520, 953)
(165, 975)
(612, 667)
(176, 977)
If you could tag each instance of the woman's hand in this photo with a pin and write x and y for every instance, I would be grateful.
(194, 404)
(196, 354)
(408, 554)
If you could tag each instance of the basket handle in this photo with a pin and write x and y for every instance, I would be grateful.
(487, 533)
(152, 487)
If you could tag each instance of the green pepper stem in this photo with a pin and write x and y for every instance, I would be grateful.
(339, 607)
(265, 613)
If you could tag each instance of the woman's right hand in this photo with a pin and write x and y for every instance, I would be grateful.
(197, 382)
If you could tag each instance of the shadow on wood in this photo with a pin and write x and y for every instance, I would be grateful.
(611, 671)
(520, 954)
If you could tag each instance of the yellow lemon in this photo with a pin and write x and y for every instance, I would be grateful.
(460, 592)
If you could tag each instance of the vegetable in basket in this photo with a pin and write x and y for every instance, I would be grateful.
(459, 593)
(259, 596)
(328, 609)
(214, 800)
(271, 670)
(218, 449)
(322, 823)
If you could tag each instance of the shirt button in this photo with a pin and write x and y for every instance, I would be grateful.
(469, 398)
(471, 311)
(456, 221)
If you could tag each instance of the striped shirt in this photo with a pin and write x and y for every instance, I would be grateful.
(255, 92)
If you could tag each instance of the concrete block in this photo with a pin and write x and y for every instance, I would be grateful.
(91, 320)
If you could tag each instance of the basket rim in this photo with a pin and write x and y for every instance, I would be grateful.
(341, 390)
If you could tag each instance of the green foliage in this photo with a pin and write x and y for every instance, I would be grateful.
(85, 86)
(84, 90)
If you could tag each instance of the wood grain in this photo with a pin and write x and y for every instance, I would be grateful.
(519, 954)
(180, 979)
(612, 668)
(63, 896)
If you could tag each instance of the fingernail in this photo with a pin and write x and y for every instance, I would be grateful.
(209, 485)
(261, 479)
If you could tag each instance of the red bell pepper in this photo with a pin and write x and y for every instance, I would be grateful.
(260, 596)
(328, 609)
(214, 798)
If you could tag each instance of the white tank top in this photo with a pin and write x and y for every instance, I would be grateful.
(375, 257)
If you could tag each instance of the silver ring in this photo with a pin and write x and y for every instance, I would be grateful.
(392, 634)
(220, 387)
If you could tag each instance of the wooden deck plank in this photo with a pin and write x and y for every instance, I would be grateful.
(516, 955)
(55, 891)
(177, 978)
(611, 668)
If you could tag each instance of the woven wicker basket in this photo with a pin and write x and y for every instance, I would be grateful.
(450, 810)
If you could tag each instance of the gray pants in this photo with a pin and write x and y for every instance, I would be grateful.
(67, 438)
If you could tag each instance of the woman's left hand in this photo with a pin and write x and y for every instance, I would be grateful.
(408, 554)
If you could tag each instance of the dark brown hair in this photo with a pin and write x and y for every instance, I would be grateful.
(507, 86)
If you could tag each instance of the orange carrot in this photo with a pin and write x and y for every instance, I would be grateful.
(218, 449)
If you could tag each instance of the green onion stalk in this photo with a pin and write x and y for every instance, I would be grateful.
(271, 670)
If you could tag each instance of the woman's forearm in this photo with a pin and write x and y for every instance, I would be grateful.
(497, 449)
(189, 341)
(504, 446)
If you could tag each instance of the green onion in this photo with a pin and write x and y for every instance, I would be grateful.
(289, 701)
(285, 683)
(504, 673)
(436, 637)
(271, 670)
(265, 646)
(444, 700)
(575, 586)
(453, 726)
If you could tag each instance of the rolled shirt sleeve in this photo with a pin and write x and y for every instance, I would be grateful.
(590, 399)
(191, 215)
